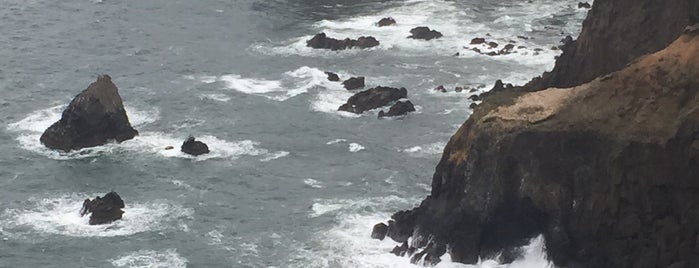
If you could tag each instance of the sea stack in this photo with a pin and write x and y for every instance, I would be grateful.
(104, 209)
(94, 117)
(194, 147)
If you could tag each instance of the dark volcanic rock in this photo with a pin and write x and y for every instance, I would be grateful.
(321, 41)
(354, 83)
(94, 117)
(103, 210)
(608, 171)
(398, 109)
(400, 250)
(194, 147)
(584, 5)
(386, 22)
(373, 98)
(379, 232)
(424, 33)
(477, 41)
(333, 77)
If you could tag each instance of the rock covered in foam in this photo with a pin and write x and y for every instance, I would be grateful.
(373, 98)
(194, 147)
(424, 33)
(104, 209)
(322, 41)
(94, 117)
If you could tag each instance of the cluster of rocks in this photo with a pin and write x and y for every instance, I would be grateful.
(459, 89)
(373, 98)
(322, 41)
(483, 46)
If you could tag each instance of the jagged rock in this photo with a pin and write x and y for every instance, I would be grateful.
(477, 41)
(321, 41)
(388, 21)
(584, 5)
(194, 147)
(333, 77)
(354, 83)
(379, 232)
(94, 117)
(373, 98)
(398, 109)
(507, 49)
(607, 171)
(400, 250)
(103, 210)
(424, 33)
(440, 88)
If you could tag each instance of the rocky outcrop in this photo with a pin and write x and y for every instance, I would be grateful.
(379, 231)
(333, 77)
(321, 41)
(94, 117)
(103, 210)
(584, 5)
(608, 171)
(398, 109)
(388, 21)
(424, 33)
(615, 33)
(354, 83)
(194, 147)
(373, 98)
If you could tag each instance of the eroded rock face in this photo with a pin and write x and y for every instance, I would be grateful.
(94, 117)
(321, 41)
(398, 109)
(194, 147)
(104, 209)
(424, 33)
(373, 98)
(608, 171)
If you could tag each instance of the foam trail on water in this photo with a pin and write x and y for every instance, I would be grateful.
(151, 259)
(60, 216)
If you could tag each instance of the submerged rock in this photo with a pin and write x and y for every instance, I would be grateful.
(194, 147)
(354, 83)
(373, 98)
(321, 41)
(398, 109)
(388, 21)
(424, 33)
(94, 117)
(103, 210)
(333, 77)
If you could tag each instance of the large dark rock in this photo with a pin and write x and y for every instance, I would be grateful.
(194, 147)
(103, 210)
(321, 41)
(94, 117)
(398, 109)
(388, 21)
(354, 83)
(424, 33)
(614, 34)
(373, 98)
(379, 231)
(607, 171)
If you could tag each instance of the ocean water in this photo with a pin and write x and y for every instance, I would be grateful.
(289, 182)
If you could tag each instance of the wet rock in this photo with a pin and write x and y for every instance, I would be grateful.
(475, 97)
(400, 250)
(194, 147)
(424, 33)
(169, 147)
(94, 117)
(398, 109)
(103, 210)
(507, 49)
(373, 98)
(492, 44)
(333, 77)
(584, 5)
(458, 89)
(477, 41)
(388, 21)
(440, 88)
(354, 83)
(321, 41)
(379, 232)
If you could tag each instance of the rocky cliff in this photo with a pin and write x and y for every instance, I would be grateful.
(614, 33)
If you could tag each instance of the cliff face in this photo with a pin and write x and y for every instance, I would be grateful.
(614, 33)
(608, 171)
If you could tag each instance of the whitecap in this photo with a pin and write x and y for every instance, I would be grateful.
(151, 259)
(355, 147)
(60, 216)
(291, 84)
(274, 156)
(431, 149)
(313, 183)
(216, 97)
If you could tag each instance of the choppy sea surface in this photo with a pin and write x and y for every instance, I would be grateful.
(290, 182)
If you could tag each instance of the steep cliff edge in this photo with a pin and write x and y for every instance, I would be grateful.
(614, 33)
(608, 171)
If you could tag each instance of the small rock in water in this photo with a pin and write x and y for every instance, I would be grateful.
(477, 41)
(170, 147)
(104, 209)
(333, 77)
(194, 147)
(388, 21)
(424, 33)
(322, 41)
(354, 83)
(459, 89)
(373, 98)
(379, 232)
(398, 109)
(440, 88)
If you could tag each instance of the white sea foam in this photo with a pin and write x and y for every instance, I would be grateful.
(313, 183)
(151, 259)
(60, 216)
(355, 147)
(216, 97)
(156, 142)
(274, 156)
(425, 150)
(335, 141)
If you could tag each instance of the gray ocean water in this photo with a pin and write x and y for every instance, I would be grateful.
(290, 182)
